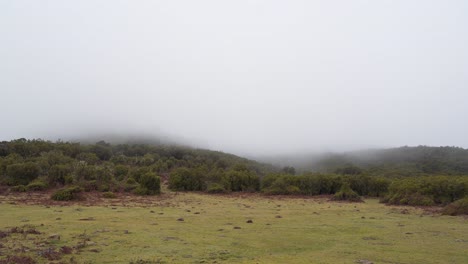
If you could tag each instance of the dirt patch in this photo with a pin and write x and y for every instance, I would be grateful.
(66, 250)
(18, 260)
(50, 254)
(3, 234)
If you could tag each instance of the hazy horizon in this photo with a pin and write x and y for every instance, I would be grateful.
(244, 77)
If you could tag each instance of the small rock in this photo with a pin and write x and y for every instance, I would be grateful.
(237, 227)
(180, 219)
(87, 219)
(249, 222)
(126, 232)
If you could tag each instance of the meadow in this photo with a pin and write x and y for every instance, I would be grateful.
(240, 228)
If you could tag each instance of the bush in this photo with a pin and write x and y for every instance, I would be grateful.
(414, 199)
(89, 186)
(22, 173)
(307, 184)
(18, 188)
(109, 195)
(215, 188)
(57, 174)
(346, 194)
(183, 179)
(368, 185)
(459, 207)
(37, 186)
(151, 183)
(141, 191)
(428, 190)
(131, 181)
(120, 172)
(67, 194)
(130, 185)
(242, 181)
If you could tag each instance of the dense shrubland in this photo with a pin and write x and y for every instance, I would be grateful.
(71, 168)
(37, 165)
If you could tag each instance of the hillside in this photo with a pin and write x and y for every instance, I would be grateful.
(39, 164)
(402, 161)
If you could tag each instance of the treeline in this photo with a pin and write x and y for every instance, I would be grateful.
(33, 165)
(394, 162)
(36, 165)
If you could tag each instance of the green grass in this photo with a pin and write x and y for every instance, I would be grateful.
(309, 231)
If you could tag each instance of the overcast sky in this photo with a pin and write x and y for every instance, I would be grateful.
(249, 77)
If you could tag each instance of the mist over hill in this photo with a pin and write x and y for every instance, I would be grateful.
(401, 161)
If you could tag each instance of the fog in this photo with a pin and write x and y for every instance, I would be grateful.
(247, 77)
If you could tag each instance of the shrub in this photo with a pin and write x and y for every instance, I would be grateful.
(58, 173)
(459, 207)
(120, 172)
(141, 191)
(131, 181)
(414, 199)
(428, 190)
(67, 194)
(183, 179)
(130, 185)
(138, 172)
(215, 188)
(282, 184)
(368, 185)
(151, 183)
(18, 188)
(109, 195)
(22, 173)
(37, 186)
(242, 180)
(346, 194)
(89, 186)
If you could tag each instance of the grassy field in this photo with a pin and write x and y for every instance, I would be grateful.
(199, 228)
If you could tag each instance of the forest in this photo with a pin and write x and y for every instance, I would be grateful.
(418, 176)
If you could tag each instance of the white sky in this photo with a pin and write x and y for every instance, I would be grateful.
(249, 77)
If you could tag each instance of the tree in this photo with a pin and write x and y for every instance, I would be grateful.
(289, 170)
(184, 179)
(22, 173)
(151, 182)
